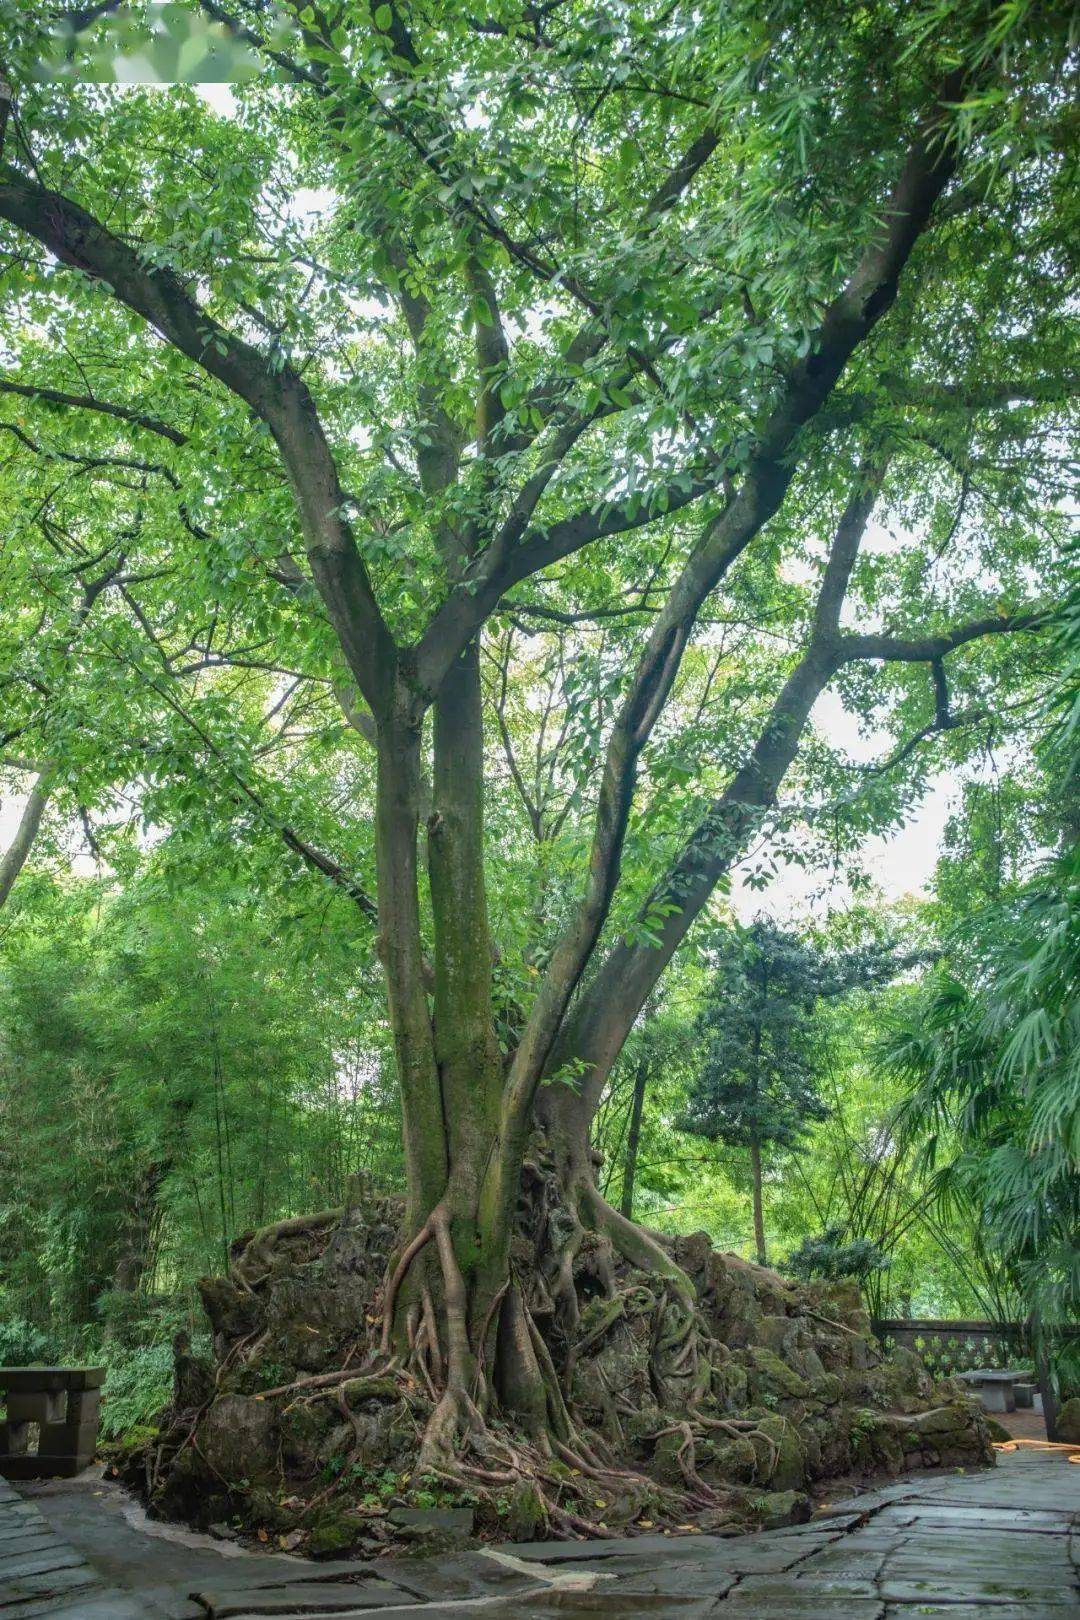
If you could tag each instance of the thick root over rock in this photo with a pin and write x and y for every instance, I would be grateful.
(360, 1398)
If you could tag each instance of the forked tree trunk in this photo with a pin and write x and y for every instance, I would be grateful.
(449, 1300)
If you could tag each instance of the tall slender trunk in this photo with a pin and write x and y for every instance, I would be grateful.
(400, 947)
(626, 1204)
(29, 824)
(453, 1267)
(466, 1047)
(759, 1213)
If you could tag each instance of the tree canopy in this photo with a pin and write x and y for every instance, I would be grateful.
(443, 483)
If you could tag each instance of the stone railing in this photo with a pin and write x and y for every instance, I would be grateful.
(953, 1347)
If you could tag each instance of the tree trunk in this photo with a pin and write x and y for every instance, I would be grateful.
(633, 1138)
(759, 1214)
(135, 1250)
(30, 822)
(597, 1027)
(450, 1308)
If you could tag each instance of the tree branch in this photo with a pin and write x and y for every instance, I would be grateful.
(853, 314)
(18, 851)
(931, 649)
(282, 401)
(86, 402)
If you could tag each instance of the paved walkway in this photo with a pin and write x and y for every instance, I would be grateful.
(42, 1574)
(1004, 1544)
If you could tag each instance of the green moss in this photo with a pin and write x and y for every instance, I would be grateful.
(769, 1375)
(332, 1533)
(788, 1470)
(371, 1389)
(525, 1520)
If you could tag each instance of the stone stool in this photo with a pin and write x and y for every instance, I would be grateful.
(64, 1402)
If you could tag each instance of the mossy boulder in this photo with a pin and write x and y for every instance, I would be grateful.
(827, 1389)
(834, 1437)
(955, 1434)
(304, 1432)
(239, 1439)
(771, 1379)
(432, 1530)
(730, 1385)
(233, 1312)
(735, 1461)
(333, 1533)
(312, 1310)
(1068, 1422)
(665, 1459)
(621, 1362)
(525, 1519)
(776, 1509)
(876, 1442)
(786, 1461)
(905, 1384)
(778, 1333)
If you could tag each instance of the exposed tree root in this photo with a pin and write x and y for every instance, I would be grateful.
(594, 1387)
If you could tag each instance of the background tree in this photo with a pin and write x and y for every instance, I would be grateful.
(991, 1056)
(757, 1085)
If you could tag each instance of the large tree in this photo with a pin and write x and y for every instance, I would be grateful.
(549, 314)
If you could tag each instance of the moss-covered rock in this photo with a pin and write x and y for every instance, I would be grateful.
(776, 1509)
(778, 1334)
(730, 1385)
(735, 1461)
(786, 1462)
(334, 1532)
(436, 1529)
(876, 1442)
(372, 1388)
(905, 1384)
(827, 1389)
(797, 1361)
(525, 1519)
(1068, 1422)
(955, 1432)
(304, 1430)
(239, 1439)
(770, 1378)
(619, 1362)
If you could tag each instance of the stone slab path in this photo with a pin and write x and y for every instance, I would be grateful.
(1004, 1544)
(42, 1574)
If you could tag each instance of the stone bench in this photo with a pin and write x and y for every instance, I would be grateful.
(64, 1402)
(997, 1390)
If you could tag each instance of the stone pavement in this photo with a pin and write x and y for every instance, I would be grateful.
(42, 1574)
(1004, 1543)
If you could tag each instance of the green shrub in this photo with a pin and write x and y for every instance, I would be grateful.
(138, 1385)
(24, 1345)
(828, 1258)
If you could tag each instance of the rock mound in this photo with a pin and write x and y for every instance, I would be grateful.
(299, 1439)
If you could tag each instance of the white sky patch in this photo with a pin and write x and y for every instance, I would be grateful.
(218, 97)
(899, 863)
(309, 203)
